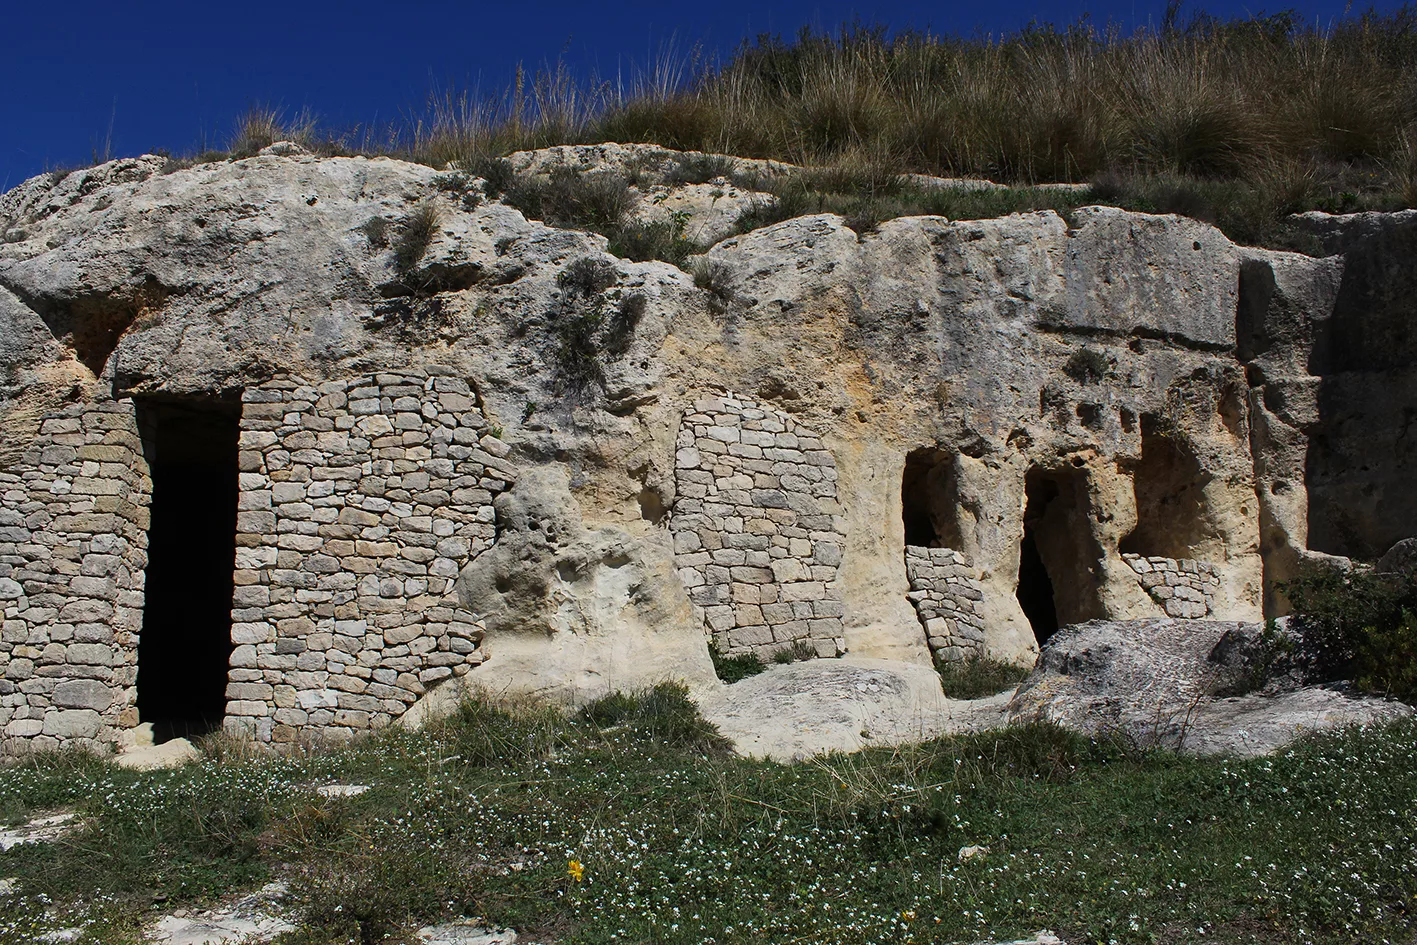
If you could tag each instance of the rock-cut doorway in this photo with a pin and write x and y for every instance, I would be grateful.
(1059, 558)
(184, 649)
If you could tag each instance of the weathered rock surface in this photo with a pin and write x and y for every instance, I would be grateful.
(39, 830)
(803, 709)
(465, 933)
(1155, 683)
(258, 917)
(173, 753)
(1401, 558)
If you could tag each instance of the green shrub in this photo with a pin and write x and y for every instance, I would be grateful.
(365, 888)
(978, 677)
(615, 340)
(1357, 625)
(1087, 366)
(1043, 750)
(263, 126)
(657, 239)
(665, 713)
(795, 652)
(589, 325)
(587, 277)
(1386, 659)
(697, 169)
(787, 203)
(567, 197)
(496, 173)
(484, 732)
(461, 185)
(376, 231)
(731, 669)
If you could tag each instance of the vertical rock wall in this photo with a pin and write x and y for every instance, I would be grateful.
(359, 503)
(73, 539)
(757, 527)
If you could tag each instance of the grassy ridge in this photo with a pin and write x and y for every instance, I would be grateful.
(1238, 122)
(677, 841)
(1261, 97)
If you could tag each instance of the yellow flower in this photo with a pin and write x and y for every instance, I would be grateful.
(575, 870)
(908, 915)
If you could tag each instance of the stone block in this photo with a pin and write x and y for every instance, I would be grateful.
(750, 636)
(251, 633)
(82, 694)
(72, 723)
(90, 654)
(803, 591)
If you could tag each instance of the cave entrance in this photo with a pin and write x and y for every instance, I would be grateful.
(929, 500)
(1059, 559)
(185, 647)
(1169, 485)
(1035, 590)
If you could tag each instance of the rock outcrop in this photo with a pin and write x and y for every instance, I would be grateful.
(1186, 685)
(580, 471)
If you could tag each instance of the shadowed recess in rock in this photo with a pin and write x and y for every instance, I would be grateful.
(1170, 494)
(929, 499)
(186, 638)
(1058, 555)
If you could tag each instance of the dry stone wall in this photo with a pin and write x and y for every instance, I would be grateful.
(948, 600)
(757, 527)
(359, 503)
(73, 540)
(1183, 588)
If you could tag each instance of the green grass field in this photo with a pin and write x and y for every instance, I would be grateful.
(677, 840)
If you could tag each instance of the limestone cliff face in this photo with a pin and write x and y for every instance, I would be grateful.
(1068, 406)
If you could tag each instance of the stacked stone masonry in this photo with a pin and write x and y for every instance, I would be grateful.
(73, 540)
(359, 503)
(1183, 588)
(948, 600)
(757, 528)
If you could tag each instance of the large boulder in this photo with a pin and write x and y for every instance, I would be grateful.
(1160, 683)
(1401, 558)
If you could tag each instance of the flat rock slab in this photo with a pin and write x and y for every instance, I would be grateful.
(465, 933)
(39, 830)
(1256, 725)
(1151, 681)
(249, 920)
(341, 790)
(823, 705)
(170, 754)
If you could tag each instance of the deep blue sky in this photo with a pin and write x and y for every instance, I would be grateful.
(167, 75)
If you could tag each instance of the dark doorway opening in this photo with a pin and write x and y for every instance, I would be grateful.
(1059, 559)
(930, 500)
(185, 647)
(1035, 590)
